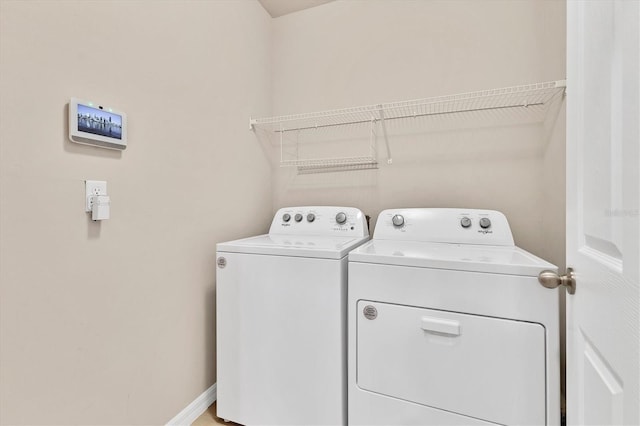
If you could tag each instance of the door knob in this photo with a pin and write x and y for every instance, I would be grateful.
(550, 279)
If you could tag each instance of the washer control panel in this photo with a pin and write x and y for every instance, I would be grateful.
(319, 220)
(458, 226)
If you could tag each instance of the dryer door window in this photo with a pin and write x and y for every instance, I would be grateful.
(482, 367)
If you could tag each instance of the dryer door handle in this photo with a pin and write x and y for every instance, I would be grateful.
(441, 326)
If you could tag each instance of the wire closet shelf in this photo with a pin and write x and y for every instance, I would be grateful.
(531, 97)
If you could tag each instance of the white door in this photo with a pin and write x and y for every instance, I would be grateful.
(603, 220)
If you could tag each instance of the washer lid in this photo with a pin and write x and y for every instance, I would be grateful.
(294, 245)
(460, 257)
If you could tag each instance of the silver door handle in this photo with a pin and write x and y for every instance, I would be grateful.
(550, 279)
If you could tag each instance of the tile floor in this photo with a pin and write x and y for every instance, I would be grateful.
(209, 418)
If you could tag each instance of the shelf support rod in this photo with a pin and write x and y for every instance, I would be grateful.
(384, 133)
(281, 144)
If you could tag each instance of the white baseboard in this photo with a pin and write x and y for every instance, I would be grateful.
(196, 408)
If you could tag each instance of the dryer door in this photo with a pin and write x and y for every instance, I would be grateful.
(487, 368)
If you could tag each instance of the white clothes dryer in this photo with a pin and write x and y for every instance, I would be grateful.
(281, 319)
(448, 324)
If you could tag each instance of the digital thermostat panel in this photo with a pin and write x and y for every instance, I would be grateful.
(94, 124)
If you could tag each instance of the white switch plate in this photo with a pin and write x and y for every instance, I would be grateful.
(93, 187)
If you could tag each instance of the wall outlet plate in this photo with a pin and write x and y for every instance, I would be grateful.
(93, 187)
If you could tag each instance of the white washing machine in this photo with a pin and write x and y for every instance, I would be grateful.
(281, 319)
(448, 324)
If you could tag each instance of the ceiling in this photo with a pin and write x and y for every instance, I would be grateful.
(282, 7)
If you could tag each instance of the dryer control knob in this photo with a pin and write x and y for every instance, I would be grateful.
(397, 220)
(311, 217)
(485, 223)
(341, 218)
(286, 217)
(298, 217)
(465, 222)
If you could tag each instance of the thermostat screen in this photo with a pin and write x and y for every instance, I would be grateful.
(99, 122)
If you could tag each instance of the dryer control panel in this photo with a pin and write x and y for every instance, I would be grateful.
(456, 226)
(319, 220)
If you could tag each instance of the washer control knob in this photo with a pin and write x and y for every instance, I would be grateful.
(311, 217)
(341, 218)
(298, 217)
(286, 217)
(465, 222)
(398, 220)
(485, 223)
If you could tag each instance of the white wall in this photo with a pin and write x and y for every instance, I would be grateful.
(351, 52)
(114, 322)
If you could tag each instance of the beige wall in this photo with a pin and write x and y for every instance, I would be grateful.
(114, 322)
(349, 53)
(361, 52)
